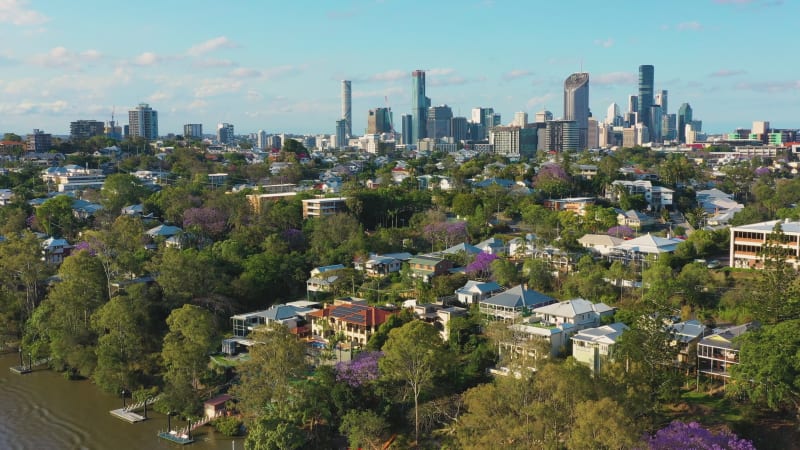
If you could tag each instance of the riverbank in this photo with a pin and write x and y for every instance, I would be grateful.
(42, 410)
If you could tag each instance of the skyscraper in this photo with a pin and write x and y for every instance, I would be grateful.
(458, 128)
(341, 133)
(633, 103)
(347, 105)
(438, 123)
(612, 113)
(225, 133)
(661, 100)
(544, 116)
(143, 122)
(646, 73)
(405, 128)
(84, 129)
(419, 106)
(684, 118)
(193, 130)
(379, 121)
(576, 104)
(261, 140)
(520, 119)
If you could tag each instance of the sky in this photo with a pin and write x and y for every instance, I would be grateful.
(278, 65)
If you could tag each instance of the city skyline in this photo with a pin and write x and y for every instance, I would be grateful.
(197, 63)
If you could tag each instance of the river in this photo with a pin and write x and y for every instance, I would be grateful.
(42, 410)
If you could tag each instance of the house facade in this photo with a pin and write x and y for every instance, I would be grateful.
(718, 352)
(475, 291)
(749, 241)
(513, 304)
(427, 267)
(356, 321)
(594, 346)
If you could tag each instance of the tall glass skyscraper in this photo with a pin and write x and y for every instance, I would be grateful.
(419, 106)
(646, 83)
(347, 103)
(684, 118)
(576, 104)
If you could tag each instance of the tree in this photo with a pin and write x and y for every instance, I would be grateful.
(61, 326)
(364, 429)
(120, 190)
(679, 435)
(415, 355)
(23, 272)
(769, 367)
(505, 272)
(271, 434)
(188, 343)
(552, 180)
(56, 218)
(602, 424)
(277, 358)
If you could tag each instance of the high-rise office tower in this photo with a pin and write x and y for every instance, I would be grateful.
(612, 114)
(419, 106)
(379, 121)
(458, 128)
(341, 133)
(225, 133)
(576, 104)
(438, 123)
(347, 107)
(520, 119)
(646, 74)
(143, 122)
(561, 136)
(633, 103)
(406, 124)
(668, 127)
(684, 118)
(261, 140)
(661, 100)
(544, 116)
(655, 117)
(193, 131)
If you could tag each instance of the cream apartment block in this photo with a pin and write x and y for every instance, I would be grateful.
(748, 243)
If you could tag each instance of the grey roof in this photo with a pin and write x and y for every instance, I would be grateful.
(462, 247)
(163, 230)
(479, 286)
(607, 334)
(723, 337)
(518, 297)
(687, 331)
(786, 226)
(572, 308)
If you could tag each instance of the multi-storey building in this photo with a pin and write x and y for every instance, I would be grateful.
(356, 321)
(225, 133)
(193, 131)
(39, 141)
(645, 99)
(85, 129)
(419, 106)
(347, 107)
(319, 207)
(143, 122)
(379, 120)
(752, 244)
(576, 104)
(438, 123)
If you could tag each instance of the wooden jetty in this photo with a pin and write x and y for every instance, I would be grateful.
(129, 414)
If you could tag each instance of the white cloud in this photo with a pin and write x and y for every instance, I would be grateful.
(607, 43)
(689, 26)
(540, 100)
(516, 73)
(439, 72)
(31, 107)
(211, 45)
(727, 73)
(16, 12)
(147, 59)
(244, 72)
(390, 75)
(253, 95)
(613, 78)
(159, 96)
(378, 93)
(213, 63)
(214, 87)
(61, 57)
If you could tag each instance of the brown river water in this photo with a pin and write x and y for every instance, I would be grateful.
(42, 410)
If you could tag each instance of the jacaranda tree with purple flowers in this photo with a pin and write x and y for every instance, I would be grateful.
(360, 370)
(210, 221)
(479, 267)
(621, 231)
(692, 436)
(445, 234)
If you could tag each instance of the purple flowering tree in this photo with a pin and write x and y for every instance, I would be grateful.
(621, 231)
(211, 221)
(360, 370)
(761, 171)
(446, 234)
(294, 238)
(692, 436)
(479, 267)
(552, 179)
(83, 245)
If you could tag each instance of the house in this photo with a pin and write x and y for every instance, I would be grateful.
(317, 271)
(380, 265)
(640, 248)
(717, 352)
(685, 334)
(427, 267)
(83, 209)
(55, 250)
(601, 244)
(353, 319)
(6, 196)
(635, 219)
(492, 246)
(657, 197)
(748, 242)
(525, 337)
(576, 205)
(440, 316)
(163, 231)
(573, 315)
(475, 291)
(293, 317)
(594, 346)
(519, 248)
(133, 210)
(462, 248)
(511, 305)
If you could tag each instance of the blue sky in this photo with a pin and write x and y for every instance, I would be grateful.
(277, 66)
